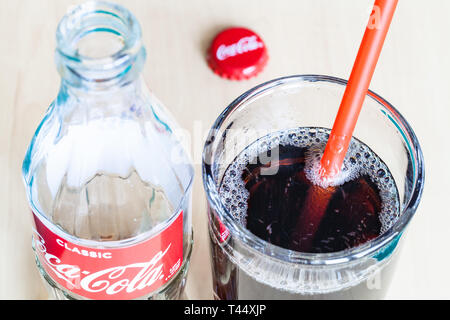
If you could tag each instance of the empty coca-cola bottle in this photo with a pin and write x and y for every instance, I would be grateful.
(108, 182)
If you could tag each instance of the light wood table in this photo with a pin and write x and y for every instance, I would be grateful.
(303, 37)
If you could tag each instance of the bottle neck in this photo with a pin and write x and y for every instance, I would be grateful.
(99, 48)
(122, 94)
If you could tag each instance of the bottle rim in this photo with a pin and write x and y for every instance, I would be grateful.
(98, 16)
(252, 242)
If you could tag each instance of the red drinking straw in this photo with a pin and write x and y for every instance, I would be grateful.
(317, 198)
(357, 88)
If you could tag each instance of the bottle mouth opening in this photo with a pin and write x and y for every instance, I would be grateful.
(98, 41)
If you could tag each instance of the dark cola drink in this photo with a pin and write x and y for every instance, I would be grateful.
(274, 190)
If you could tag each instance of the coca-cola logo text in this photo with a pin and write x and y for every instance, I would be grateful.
(244, 45)
(111, 274)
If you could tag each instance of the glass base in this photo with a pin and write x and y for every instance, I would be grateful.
(230, 282)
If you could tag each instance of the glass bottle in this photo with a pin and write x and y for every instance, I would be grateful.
(107, 180)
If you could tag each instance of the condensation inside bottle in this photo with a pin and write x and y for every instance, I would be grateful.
(111, 178)
(109, 207)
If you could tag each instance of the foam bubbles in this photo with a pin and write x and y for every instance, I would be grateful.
(360, 160)
(347, 173)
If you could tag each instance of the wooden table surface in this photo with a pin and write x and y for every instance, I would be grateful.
(303, 37)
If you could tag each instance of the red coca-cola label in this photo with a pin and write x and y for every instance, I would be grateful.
(111, 273)
(224, 232)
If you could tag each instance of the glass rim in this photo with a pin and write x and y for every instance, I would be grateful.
(370, 248)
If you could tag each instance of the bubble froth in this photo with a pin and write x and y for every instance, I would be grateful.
(360, 160)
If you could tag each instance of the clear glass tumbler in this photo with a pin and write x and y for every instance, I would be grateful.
(245, 266)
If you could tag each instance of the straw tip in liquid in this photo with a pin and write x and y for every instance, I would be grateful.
(328, 174)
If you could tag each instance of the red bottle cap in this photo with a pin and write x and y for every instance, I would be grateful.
(237, 53)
